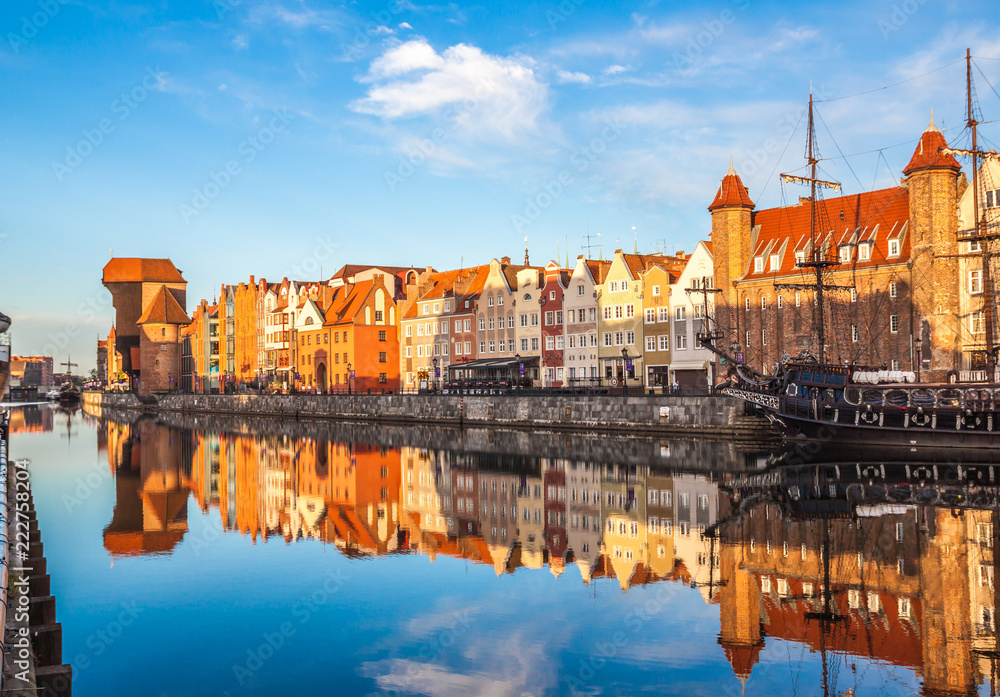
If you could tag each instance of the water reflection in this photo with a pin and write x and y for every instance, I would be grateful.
(897, 570)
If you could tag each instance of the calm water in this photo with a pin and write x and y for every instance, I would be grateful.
(270, 558)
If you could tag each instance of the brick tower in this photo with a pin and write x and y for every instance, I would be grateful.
(731, 230)
(933, 181)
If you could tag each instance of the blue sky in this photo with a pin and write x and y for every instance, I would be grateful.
(272, 137)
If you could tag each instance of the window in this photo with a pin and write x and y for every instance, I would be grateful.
(378, 315)
(613, 287)
(681, 342)
(763, 337)
(664, 314)
(894, 323)
(680, 313)
(650, 343)
(800, 258)
(524, 344)
(549, 343)
(549, 318)
(748, 339)
(499, 300)
(854, 333)
(524, 320)
(383, 378)
(893, 248)
(865, 251)
(773, 266)
(493, 347)
(482, 324)
(747, 304)
(618, 311)
(619, 336)
(579, 289)
(381, 336)
(798, 299)
(893, 291)
(781, 302)
(845, 254)
(468, 348)
(665, 342)
(489, 301)
(977, 323)
(607, 338)
(482, 347)
(552, 295)
(975, 282)
(650, 315)
(409, 352)
(624, 285)
(758, 264)
(630, 338)
(490, 323)
(763, 302)
(656, 291)
(382, 357)
(629, 311)
(510, 345)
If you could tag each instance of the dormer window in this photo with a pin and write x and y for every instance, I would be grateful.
(893, 248)
(845, 254)
(865, 251)
(774, 263)
(758, 264)
(800, 258)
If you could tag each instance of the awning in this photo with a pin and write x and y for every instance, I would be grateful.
(495, 363)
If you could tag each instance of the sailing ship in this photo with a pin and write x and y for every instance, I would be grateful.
(809, 397)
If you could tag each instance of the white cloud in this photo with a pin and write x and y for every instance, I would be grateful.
(491, 96)
(615, 69)
(580, 78)
(240, 42)
(405, 25)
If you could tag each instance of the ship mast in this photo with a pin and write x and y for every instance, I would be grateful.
(817, 259)
(979, 233)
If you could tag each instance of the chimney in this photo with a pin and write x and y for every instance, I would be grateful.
(505, 260)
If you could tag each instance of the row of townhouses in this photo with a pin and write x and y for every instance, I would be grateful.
(909, 295)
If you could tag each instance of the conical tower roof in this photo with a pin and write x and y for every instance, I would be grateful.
(926, 155)
(732, 192)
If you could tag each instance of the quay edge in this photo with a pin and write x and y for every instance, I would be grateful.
(716, 417)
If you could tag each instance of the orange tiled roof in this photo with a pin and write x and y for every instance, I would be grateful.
(598, 269)
(136, 270)
(874, 217)
(164, 309)
(731, 192)
(926, 155)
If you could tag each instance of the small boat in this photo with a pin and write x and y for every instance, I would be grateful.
(52, 396)
(69, 393)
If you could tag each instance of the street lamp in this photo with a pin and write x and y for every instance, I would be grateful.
(434, 363)
(625, 360)
(348, 378)
(917, 344)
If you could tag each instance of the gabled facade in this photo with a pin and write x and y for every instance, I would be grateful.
(581, 315)
(692, 367)
(553, 298)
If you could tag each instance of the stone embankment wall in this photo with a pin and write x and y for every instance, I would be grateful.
(714, 416)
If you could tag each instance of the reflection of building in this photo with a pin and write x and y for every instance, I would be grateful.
(151, 483)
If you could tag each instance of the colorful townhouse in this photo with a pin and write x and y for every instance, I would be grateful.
(553, 298)
(528, 303)
(692, 367)
(581, 313)
(656, 283)
(354, 345)
(620, 319)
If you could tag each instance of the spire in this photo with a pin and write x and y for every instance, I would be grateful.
(927, 156)
(732, 191)
(526, 251)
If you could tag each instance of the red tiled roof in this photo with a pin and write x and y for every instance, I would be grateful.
(164, 309)
(731, 192)
(135, 270)
(742, 657)
(926, 156)
(598, 269)
(873, 217)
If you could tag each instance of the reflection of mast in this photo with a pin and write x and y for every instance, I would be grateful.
(829, 614)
